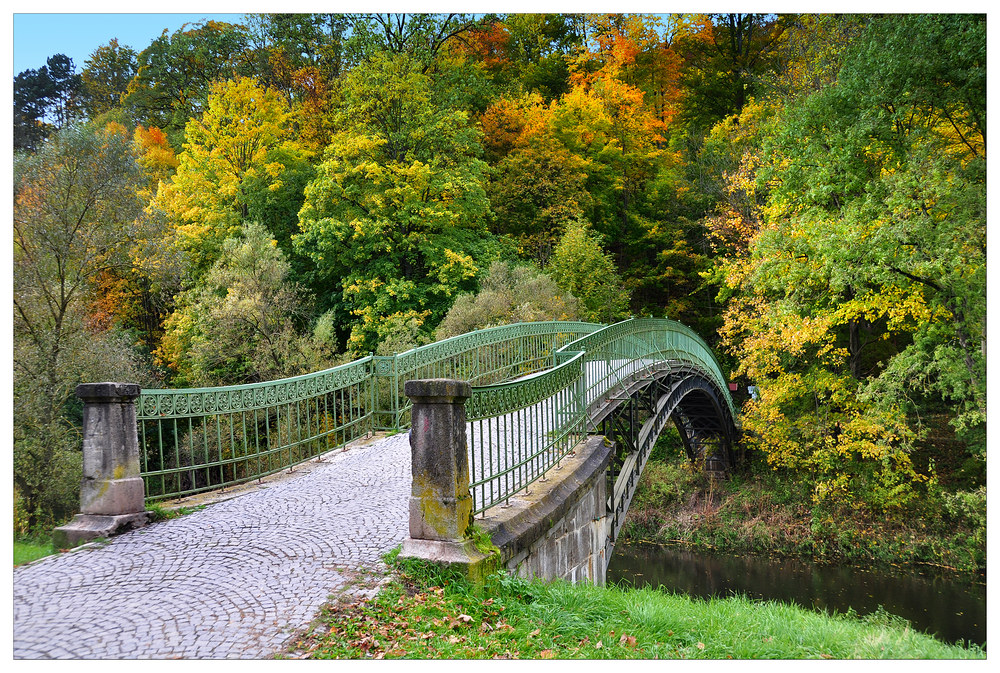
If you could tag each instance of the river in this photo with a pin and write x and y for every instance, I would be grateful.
(940, 605)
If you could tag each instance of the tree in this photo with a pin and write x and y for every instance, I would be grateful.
(859, 297)
(395, 220)
(241, 323)
(581, 267)
(534, 191)
(44, 100)
(240, 147)
(417, 36)
(726, 60)
(509, 294)
(75, 202)
(106, 76)
(175, 73)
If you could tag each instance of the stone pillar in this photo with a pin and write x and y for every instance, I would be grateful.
(112, 496)
(440, 501)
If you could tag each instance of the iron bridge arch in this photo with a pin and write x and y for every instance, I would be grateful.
(634, 413)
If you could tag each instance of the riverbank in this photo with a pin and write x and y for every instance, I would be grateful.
(424, 613)
(760, 511)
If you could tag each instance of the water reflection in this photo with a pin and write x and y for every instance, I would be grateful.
(949, 609)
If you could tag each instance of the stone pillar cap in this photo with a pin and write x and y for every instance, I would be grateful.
(92, 391)
(442, 391)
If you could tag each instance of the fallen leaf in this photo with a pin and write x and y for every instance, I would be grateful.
(701, 646)
(599, 645)
(465, 618)
(546, 654)
(626, 640)
(534, 633)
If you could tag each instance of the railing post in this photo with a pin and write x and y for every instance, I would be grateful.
(112, 495)
(440, 501)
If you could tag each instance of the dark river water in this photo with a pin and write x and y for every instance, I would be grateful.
(950, 609)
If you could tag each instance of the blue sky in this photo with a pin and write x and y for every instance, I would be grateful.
(38, 36)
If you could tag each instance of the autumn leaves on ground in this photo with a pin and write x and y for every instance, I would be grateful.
(237, 203)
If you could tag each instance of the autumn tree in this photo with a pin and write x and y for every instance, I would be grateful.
(235, 160)
(106, 76)
(395, 220)
(75, 202)
(175, 72)
(859, 304)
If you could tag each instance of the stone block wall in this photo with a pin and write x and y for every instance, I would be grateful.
(573, 549)
(559, 528)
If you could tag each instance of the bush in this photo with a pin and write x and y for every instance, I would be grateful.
(509, 294)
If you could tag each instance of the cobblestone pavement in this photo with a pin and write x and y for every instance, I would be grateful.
(234, 580)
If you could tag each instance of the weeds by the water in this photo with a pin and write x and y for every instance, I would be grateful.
(758, 510)
(428, 613)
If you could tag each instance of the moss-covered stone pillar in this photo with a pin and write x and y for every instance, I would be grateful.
(440, 501)
(112, 495)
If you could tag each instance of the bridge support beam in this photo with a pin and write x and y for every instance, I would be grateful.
(440, 501)
(112, 495)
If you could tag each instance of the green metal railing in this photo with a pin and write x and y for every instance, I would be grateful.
(482, 357)
(200, 439)
(532, 386)
(521, 429)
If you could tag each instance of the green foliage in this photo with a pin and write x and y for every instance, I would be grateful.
(242, 323)
(106, 76)
(157, 512)
(175, 71)
(509, 294)
(534, 192)
(767, 511)
(395, 219)
(27, 550)
(850, 343)
(581, 267)
(44, 100)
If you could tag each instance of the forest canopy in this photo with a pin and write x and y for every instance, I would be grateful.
(234, 203)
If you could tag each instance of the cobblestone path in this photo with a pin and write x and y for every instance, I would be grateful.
(234, 580)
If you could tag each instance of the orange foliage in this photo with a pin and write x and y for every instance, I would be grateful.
(156, 156)
(488, 46)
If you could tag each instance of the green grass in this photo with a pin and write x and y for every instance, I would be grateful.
(429, 614)
(157, 512)
(31, 549)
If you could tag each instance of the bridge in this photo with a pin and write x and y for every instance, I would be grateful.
(536, 392)
(309, 479)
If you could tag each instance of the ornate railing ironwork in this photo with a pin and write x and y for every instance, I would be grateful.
(200, 439)
(533, 384)
(521, 429)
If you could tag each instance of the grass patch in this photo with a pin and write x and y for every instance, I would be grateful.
(427, 613)
(157, 512)
(27, 550)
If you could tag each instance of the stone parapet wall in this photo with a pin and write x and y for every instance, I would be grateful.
(559, 528)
